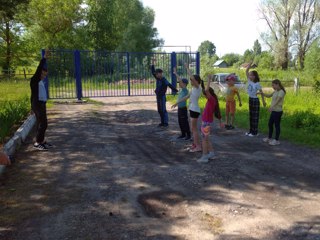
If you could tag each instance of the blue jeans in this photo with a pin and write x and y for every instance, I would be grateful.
(275, 119)
(162, 110)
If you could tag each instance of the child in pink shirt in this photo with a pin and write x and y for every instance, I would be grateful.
(211, 109)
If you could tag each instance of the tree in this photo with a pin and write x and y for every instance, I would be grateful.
(306, 27)
(265, 60)
(122, 25)
(52, 23)
(10, 30)
(207, 47)
(256, 48)
(312, 61)
(248, 56)
(278, 15)
(231, 58)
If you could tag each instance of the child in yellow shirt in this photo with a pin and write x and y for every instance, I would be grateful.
(230, 101)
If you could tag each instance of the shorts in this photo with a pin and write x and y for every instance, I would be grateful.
(205, 129)
(194, 114)
(231, 107)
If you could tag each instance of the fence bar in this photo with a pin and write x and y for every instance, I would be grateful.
(128, 71)
(173, 65)
(198, 63)
(77, 69)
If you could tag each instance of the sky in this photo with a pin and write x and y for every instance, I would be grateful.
(232, 25)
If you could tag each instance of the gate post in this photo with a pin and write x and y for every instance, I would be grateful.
(45, 81)
(198, 63)
(173, 65)
(128, 71)
(77, 69)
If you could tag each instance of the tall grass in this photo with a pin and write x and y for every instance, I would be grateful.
(300, 121)
(14, 105)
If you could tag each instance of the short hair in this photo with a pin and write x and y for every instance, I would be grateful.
(158, 70)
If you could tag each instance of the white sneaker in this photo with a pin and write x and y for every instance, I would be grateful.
(247, 133)
(211, 155)
(203, 159)
(274, 142)
(253, 135)
(267, 140)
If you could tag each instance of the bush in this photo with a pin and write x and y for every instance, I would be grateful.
(11, 113)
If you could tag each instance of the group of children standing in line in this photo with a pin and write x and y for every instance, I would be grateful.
(212, 109)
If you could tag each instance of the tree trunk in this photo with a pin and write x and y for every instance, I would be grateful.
(7, 64)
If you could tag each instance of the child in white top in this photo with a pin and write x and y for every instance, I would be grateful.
(253, 89)
(194, 108)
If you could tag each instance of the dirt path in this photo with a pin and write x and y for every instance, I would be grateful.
(113, 175)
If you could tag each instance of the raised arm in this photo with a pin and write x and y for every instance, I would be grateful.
(247, 69)
(153, 70)
(175, 73)
(189, 72)
(37, 74)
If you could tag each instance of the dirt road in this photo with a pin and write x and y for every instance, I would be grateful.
(114, 175)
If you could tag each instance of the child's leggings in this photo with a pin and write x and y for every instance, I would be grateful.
(275, 118)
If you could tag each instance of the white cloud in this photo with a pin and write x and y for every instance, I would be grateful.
(232, 25)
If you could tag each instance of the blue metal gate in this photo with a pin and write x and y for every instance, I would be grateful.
(77, 74)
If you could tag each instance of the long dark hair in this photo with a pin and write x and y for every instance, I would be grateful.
(198, 79)
(278, 82)
(256, 76)
(217, 112)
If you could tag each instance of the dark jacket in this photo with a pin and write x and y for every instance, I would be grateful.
(34, 82)
(162, 84)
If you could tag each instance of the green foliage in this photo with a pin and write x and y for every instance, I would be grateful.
(207, 48)
(312, 62)
(256, 48)
(231, 58)
(14, 104)
(121, 25)
(12, 112)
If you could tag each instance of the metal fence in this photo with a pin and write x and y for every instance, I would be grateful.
(77, 74)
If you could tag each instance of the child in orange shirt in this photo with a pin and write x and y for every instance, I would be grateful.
(230, 101)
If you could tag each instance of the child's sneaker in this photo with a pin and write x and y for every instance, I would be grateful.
(267, 140)
(203, 159)
(230, 127)
(181, 137)
(253, 135)
(211, 155)
(195, 149)
(48, 145)
(226, 126)
(40, 147)
(274, 142)
(187, 138)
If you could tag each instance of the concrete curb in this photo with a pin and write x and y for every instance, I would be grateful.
(19, 137)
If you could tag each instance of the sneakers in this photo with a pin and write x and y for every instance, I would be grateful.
(252, 135)
(187, 138)
(195, 149)
(211, 155)
(40, 147)
(181, 137)
(230, 127)
(203, 159)
(267, 140)
(226, 126)
(48, 145)
(274, 142)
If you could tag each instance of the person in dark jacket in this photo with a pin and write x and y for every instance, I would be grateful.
(38, 103)
(161, 88)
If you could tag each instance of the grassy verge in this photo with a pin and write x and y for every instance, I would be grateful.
(300, 122)
(14, 105)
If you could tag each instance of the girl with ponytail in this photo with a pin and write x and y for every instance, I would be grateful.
(276, 111)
